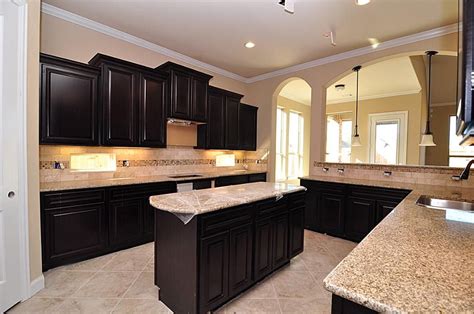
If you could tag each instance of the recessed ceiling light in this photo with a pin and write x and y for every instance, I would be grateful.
(249, 44)
(374, 42)
(362, 2)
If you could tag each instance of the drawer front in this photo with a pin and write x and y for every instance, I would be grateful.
(222, 220)
(378, 193)
(272, 207)
(258, 177)
(140, 191)
(224, 181)
(53, 200)
(297, 199)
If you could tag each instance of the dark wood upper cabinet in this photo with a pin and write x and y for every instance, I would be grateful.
(232, 123)
(69, 102)
(188, 92)
(213, 132)
(152, 110)
(133, 103)
(247, 127)
(465, 111)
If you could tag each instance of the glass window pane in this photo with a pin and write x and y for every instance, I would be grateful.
(293, 133)
(386, 142)
(454, 140)
(332, 140)
(346, 141)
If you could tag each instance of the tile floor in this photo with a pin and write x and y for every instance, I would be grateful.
(122, 282)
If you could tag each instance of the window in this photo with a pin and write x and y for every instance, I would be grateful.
(289, 145)
(459, 155)
(338, 139)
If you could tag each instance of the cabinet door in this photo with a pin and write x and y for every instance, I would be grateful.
(332, 213)
(125, 222)
(383, 208)
(120, 106)
(248, 127)
(199, 100)
(152, 113)
(214, 276)
(68, 105)
(73, 233)
(280, 241)
(181, 93)
(240, 261)
(263, 248)
(215, 124)
(359, 217)
(296, 231)
(148, 220)
(232, 123)
(312, 208)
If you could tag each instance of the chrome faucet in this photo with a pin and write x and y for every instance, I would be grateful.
(465, 173)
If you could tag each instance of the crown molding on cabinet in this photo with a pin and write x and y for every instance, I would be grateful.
(110, 31)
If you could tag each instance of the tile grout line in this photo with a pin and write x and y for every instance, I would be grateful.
(123, 295)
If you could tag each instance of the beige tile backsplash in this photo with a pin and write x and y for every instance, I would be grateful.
(144, 161)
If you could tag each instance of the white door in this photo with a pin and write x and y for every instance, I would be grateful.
(12, 233)
(388, 138)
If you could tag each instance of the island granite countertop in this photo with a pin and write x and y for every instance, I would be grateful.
(82, 184)
(203, 201)
(416, 260)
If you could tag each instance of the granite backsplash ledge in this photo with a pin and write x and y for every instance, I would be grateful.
(144, 162)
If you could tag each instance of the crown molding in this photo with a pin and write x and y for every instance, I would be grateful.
(110, 31)
(384, 95)
(443, 104)
(436, 32)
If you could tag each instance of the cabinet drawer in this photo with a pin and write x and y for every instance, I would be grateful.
(224, 181)
(53, 200)
(221, 220)
(297, 199)
(258, 177)
(139, 191)
(378, 193)
(272, 207)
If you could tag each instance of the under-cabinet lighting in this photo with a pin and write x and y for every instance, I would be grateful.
(93, 162)
(226, 160)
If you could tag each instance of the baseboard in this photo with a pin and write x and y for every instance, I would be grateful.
(36, 285)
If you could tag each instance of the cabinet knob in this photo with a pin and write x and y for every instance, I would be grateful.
(11, 194)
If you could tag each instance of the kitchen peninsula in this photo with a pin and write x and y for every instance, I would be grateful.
(212, 244)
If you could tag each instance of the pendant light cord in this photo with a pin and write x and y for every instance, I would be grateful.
(430, 55)
(357, 69)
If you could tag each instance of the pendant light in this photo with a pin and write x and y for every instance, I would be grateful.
(356, 138)
(427, 137)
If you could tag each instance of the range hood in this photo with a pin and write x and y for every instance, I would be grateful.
(179, 122)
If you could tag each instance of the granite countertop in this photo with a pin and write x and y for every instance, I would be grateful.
(203, 201)
(82, 184)
(415, 260)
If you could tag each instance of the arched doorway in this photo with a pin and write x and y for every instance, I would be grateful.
(292, 130)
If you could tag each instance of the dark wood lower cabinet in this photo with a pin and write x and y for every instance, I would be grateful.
(343, 306)
(345, 210)
(125, 223)
(220, 254)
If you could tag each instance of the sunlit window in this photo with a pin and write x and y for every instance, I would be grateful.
(386, 143)
(338, 139)
(295, 145)
(280, 162)
(459, 155)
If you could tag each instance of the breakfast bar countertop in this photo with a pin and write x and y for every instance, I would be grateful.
(83, 184)
(416, 260)
(203, 201)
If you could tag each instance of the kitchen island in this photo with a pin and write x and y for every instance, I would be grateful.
(212, 244)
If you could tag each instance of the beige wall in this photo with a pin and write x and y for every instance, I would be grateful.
(264, 93)
(439, 154)
(410, 103)
(305, 111)
(32, 131)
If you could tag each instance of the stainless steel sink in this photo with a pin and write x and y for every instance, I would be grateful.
(438, 203)
(185, 176)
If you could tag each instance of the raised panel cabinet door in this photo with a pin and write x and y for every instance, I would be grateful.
(120, 106)
(240, 261)
(248, 127)
(71, 233)
(312, 208)
(199, 100)
(296, 231)
(216, 121)
(232, 123)
(383, 208)
(152, 113)
(263, 248)
(332, 213)
(69, 105)
(214, 276)
(280, 241)
(359, 217)
(125, 222)
(181, 95)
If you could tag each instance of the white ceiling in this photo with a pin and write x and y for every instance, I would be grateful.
(297, 90)
(214, 31)
(383, 79)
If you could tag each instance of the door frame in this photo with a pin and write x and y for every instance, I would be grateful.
(28, 288)
(402, 118)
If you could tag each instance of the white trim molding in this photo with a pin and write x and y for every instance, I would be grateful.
(110, 31)
(36, 285)
(443, 104)
(368, 97)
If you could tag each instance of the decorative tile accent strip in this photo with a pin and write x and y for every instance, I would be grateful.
(404, 168)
